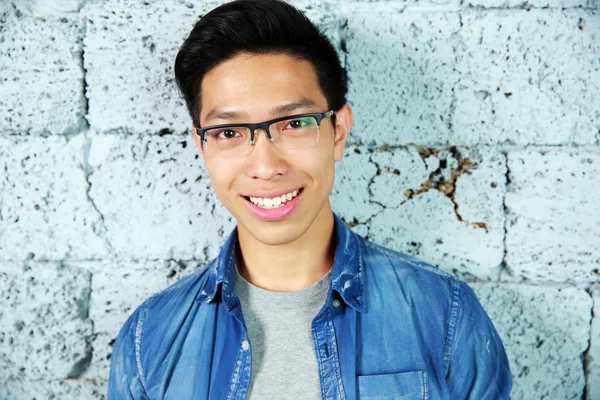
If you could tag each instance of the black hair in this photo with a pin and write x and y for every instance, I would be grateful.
(256, 27)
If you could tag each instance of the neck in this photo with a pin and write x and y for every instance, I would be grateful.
(292, 266)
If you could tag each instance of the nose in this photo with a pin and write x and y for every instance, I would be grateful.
(264, 160)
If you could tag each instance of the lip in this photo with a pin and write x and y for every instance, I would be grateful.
(274, 214)
(270, 195)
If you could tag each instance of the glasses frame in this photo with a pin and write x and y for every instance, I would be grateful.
(263, 125)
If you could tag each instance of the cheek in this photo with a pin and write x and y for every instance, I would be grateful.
(319, 166)
(222, 176)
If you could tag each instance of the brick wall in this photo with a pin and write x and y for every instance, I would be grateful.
(475, 147)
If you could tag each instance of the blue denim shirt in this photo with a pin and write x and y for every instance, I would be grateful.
(391, 327)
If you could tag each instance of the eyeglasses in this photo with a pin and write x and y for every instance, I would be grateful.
(288, 133)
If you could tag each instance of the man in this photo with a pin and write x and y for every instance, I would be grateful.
(296, 306)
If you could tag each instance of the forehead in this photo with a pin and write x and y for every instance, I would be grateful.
(253, 84)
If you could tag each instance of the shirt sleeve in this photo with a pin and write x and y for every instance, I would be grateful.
(478, 367)
(126, 381)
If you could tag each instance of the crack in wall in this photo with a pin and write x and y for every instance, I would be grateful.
(86, 167)
(367, 222)
(83, 124)
(587, 357)
(504, 268)
(370, 184)
(101, 232)
(83, 305)
(84, 80)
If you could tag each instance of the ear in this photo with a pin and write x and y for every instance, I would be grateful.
(343, 123)
(198, 141)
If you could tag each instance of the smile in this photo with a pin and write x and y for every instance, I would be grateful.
(274, 208)
(274, 202)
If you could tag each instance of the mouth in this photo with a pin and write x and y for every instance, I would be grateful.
(270, 203)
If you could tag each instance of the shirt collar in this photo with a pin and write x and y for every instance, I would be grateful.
(346, 274)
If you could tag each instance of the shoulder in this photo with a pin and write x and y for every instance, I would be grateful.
(405, 281)
(379, 260)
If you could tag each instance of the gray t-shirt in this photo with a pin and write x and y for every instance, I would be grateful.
(284, 364)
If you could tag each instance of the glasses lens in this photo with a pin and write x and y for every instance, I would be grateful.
(295, 133)
(227, 142)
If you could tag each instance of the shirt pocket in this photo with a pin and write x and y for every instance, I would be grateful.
(411, 385)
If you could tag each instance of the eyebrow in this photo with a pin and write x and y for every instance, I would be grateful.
(275, 111)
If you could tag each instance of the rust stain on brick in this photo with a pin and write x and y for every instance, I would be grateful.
(424, 152)
(446, 187)
(480, 224)
(437, 181)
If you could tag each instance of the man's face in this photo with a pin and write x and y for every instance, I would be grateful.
(248, 89)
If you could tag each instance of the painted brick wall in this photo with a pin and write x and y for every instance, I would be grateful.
(476, 147)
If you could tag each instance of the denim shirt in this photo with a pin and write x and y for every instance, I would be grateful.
(392, 327)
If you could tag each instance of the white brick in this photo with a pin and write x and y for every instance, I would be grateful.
(47, 8)
(69, 389)
(552, 226)
(400, 67)
(593, 354)
(423, 221)
(44, 330)
(156, 197)
(350, 197)
(544, 330)
(130, 50)
(528, 77)
(44, 209)
(41, 78)
(480, 192)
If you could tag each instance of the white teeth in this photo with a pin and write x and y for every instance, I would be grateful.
(274, 202)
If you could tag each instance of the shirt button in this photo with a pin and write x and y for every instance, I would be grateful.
(245, 345)
(336, 303)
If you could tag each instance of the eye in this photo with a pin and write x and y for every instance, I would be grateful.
(229, 134)
(299, 123)
(295, 123)
(225, 133)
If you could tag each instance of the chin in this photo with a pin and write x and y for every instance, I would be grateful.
(274, 239)
(273, 233)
